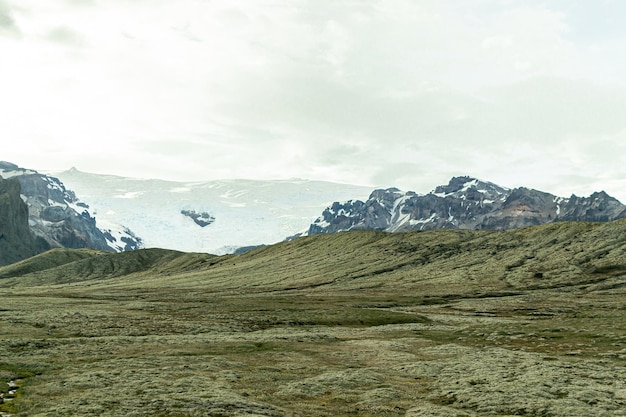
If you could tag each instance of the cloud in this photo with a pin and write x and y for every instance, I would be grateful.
(372, 70)
(8, 25)
(65, 35)
(543, 110)
(398, 93)
(81, 3)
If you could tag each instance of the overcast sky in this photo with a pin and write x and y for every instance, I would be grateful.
(374, 92)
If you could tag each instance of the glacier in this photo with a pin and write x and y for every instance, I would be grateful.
(244, 212)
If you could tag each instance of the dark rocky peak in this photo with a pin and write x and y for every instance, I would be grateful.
(8, 166)
(339, 216)
(456, 184)
(472, 188)
(202, 219)
(386, 197)
(464, 203)
(603, 198)
(46, 188)
(341, 209)
(530, 199)
(12, 169)
(598, 207)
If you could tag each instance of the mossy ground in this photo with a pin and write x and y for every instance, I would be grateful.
(364, 324)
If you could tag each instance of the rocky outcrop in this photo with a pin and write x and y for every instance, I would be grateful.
(598, 207)
(57, 216)
(464, 203)
(17, 242)
(202, 219)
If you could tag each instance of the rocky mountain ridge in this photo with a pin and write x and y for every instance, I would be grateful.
(464, 203)
(56, 216)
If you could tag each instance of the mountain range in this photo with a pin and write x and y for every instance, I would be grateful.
(120, 214)
(464, 203)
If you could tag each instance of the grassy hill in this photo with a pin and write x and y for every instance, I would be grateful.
(443, 323)
(63, 266)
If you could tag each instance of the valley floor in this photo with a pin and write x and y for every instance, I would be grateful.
(362, 324)
(82, 353)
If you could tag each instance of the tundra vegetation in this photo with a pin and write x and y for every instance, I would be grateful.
(529, 322)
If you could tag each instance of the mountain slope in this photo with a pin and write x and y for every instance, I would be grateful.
(439, 262)
(433, 262)
(45, 261)
(213, 216)
(63, 266)
(56, 215)
(465, 203)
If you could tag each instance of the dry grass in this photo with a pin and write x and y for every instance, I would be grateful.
(365, 324)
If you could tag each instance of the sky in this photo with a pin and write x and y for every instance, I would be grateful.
(371, 92)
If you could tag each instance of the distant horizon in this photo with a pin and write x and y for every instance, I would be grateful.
(372, 187)
(352, 184)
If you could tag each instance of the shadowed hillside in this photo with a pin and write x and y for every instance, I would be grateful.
(62, 266)
(525, 322)
(46, 261)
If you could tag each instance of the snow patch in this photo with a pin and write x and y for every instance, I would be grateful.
(53, 184)
(234, 205)
(128, 195)
(432, 218)
(180, 190)
(559, 201)
(53, 203)
(469, 184)
(483, 187)
(321, 223)
(14, 173)
(115, 234)
(399, 219)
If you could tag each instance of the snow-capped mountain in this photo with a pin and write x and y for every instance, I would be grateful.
(56, 215)
(465, 203)
(215, 216)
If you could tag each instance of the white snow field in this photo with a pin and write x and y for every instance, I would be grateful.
(246, 212)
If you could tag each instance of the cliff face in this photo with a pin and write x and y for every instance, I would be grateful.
(16, 240)
(56, 217)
